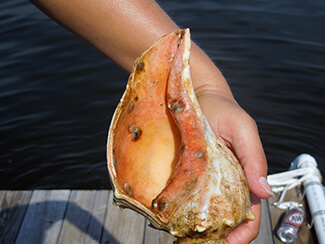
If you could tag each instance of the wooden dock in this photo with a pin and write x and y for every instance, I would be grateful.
(83, 216)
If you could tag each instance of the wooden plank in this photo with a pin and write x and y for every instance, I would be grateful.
(96, 225)
(122, 226)
(13, 206)
(79, 220)
(43, 219)
(153, 236)
(85, 217)
(2, 196)
(305, 234)
(265, 235)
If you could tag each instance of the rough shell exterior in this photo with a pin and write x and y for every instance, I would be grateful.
(164, 160)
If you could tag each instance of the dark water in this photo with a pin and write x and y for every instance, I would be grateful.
(57, 94)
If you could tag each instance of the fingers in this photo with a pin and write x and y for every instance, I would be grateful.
(239, 132)
(247, 231)
(249, 150)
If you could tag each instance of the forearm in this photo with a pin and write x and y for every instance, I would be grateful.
(122, 30)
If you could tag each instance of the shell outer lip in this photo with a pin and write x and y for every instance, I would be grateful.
(119, 196)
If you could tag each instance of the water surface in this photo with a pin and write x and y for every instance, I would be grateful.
(58, 94)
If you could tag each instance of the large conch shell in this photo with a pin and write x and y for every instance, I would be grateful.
(164, 160)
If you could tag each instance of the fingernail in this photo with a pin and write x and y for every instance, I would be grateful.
(266, 186)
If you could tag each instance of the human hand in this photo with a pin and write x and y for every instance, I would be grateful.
(238, 131)
(111, 30)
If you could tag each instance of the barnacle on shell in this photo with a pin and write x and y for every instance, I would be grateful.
(164, 160)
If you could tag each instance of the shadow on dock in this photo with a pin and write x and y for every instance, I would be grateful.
(51, 222)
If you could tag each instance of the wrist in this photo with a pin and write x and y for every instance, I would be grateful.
(206, 77)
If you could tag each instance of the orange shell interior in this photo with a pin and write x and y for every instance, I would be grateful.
(146, 140)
